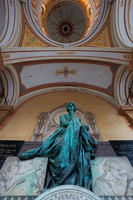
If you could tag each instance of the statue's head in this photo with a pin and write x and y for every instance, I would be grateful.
(71, 106)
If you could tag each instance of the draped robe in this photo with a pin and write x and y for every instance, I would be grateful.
(69, 150)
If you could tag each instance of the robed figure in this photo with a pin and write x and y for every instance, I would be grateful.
(69, 150)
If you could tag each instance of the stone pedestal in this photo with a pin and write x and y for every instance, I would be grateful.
(21, 178)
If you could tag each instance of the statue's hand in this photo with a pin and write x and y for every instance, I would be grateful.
(21, 157)
(63, 121)
(72, 115)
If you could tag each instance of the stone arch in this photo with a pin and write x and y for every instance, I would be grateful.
(122, 84)
(10, 86)
(121, 23)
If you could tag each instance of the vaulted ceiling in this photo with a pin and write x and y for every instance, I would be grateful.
(85, 45)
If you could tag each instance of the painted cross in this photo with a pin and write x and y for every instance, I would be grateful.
(65, 72)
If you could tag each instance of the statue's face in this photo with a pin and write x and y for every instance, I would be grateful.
(71, 107)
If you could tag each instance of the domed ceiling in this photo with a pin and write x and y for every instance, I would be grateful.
(66, 21)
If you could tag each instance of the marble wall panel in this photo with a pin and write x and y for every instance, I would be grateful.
(112, 176)
(22, 177)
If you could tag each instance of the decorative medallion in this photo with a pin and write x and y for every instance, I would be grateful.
(65, 72)
(65, 28)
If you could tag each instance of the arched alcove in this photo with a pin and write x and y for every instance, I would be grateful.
(110, 123)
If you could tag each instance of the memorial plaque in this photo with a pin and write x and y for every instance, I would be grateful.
(123, 148)
(8, 149)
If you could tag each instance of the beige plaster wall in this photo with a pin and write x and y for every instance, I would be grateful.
(111, 125)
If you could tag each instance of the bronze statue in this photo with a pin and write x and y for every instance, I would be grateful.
(69, 150)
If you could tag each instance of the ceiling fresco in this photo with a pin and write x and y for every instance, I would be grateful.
(57, 23)
(65, 22)
(98, 76)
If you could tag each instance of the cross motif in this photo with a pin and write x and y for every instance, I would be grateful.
(65, 72)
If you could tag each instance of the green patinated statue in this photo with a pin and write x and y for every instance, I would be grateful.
(69, 150)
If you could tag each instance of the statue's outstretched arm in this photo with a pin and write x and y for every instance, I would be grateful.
(30, 154)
